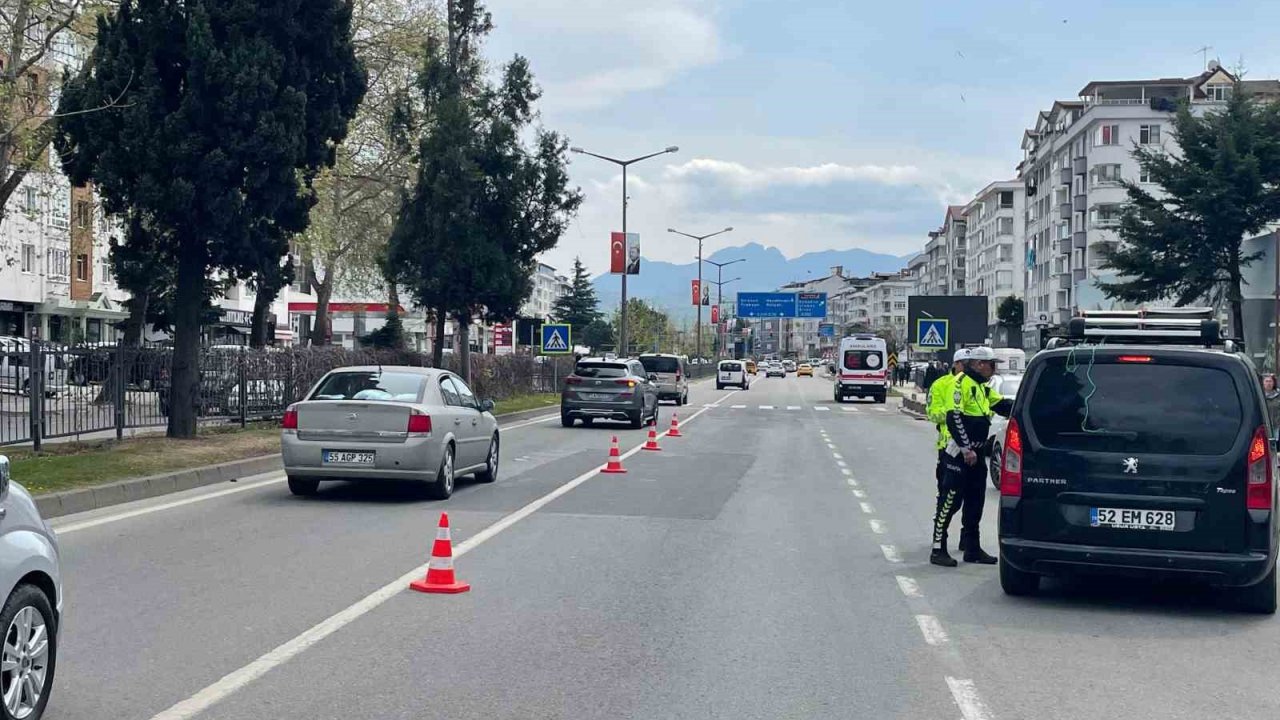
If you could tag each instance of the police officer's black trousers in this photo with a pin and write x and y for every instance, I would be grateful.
(964, 488)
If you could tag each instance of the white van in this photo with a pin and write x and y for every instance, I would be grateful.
(862, 368)
(1012, 360)
(15, 367)
(732, 372)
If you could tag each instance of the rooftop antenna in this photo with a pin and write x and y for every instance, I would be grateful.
(1204, 52)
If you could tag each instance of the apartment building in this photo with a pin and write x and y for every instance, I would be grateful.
(993, 262)
(548, 287)
(1074, 157)
(940, 269)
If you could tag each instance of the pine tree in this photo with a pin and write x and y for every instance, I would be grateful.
(218, 114)
(1223, 187)
(579, 306)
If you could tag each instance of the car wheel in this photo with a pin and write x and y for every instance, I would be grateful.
(993, 466)
(1016, 582)
(302, 487)
(1259, 598)
(30, 653)
(637, 419)
(719, 386)
(881, 399)
(490, 471)
(685, 399)
(565, 420)
(442, 487)
(586, 421)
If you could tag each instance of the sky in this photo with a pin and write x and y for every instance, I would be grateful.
(829, 124)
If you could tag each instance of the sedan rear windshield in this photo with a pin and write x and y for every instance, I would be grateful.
(862, 359)
(384, 386)
(601, 370)
(1137, 408)
(668, 365)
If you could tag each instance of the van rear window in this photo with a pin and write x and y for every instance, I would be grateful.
(1147, 408)
(862, 359)
(731, 366)
(668, 365)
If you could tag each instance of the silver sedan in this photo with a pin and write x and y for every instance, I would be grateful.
(389, 423)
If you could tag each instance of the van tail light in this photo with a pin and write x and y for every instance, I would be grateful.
(290, 420)
(573, 380)
(1011, 465)
(677, 376)
(1259, 473)
(419, 422)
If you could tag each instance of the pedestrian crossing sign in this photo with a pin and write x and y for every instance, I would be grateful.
(557, 339)
(932, 333)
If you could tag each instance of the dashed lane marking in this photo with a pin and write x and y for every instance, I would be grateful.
(846, 471)
(966, 696)
(738, 407)
(933, 632)
(859, 494)
(891, 553)
(866, 508)
(821, 408)
(766, 407)
(877, 526)
(837, 456)
(908, 586)
(793, 407)
(842, 463)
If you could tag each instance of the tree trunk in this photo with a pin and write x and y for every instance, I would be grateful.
(464, 347)
(261, 304)
(437, 346)
(184, 390)
(320, 333)
(1235, 297)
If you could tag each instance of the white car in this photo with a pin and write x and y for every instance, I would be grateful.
(1007, 386)
(732, 372)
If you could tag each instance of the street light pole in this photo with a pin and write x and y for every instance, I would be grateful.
(720, 266)
(699, 238)
(622, 313)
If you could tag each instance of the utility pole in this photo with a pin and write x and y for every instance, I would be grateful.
(699, 238)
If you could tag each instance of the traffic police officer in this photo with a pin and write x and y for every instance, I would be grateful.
(940, 398)
(968, 418)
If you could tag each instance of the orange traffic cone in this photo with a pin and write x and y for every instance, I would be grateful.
(675, 426)
(615, 459)
(440, 577)
(653, 440)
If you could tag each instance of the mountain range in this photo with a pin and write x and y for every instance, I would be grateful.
(666, 285)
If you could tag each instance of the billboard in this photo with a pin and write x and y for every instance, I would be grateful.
(633, 253)
(782, 305)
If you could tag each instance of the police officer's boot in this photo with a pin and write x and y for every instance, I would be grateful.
(939, 556)
(973, 552)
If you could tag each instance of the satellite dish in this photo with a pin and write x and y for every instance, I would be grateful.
(1043, 317)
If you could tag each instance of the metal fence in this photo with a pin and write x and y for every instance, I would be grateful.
(51, 391)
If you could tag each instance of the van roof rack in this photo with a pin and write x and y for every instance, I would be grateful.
(1153, 326)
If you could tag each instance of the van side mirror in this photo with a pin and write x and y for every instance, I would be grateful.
(4, 475)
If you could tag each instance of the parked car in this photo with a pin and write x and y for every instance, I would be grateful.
(15, 367)
(673, 376)
(31, 617)
(732, 372)
(389, 422)
(1007, 385)
(602, 389)
(1147, 454)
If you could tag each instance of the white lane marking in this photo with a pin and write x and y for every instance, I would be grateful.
(837, 456)
(908, 586)
(238, 488)
(966, 696)
(846, 471)
(842, 463)
(859, 494)
(738, 407)
(242, 677)
(877, 526)
(880, 409)
(821, 408)
(891, 553)
(866, 508)
(766, 407)
(793, 407)
(708, 405)
(933, 632)
(846, 408)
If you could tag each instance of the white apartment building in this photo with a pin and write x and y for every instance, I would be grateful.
(548, 287)
(940, 269)
(1073, 159)
(885, 303)
(995, 242)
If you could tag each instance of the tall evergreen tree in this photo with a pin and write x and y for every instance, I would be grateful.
(484, 205)
(579, 306)
(1224, 186)
(219, 113)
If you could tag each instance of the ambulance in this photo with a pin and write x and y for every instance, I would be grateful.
(862, 368)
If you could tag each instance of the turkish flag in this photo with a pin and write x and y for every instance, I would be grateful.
(617, 253)
(697, 292)
(715, 314)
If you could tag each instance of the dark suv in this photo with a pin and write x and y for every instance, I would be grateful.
(1151, 457)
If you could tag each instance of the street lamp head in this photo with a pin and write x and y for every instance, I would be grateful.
(671, 230)
(576, 149)
(728, 229)
(672, 148)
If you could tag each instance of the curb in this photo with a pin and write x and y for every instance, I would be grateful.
(123, 491)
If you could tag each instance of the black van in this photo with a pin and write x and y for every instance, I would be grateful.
(1150, 457)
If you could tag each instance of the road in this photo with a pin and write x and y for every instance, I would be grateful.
(770, 564)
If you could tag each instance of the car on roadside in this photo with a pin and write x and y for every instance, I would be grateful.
(600, 389)
(789, 365)
(1140, 445)
(673, 376)
(732, 372)
(775, 369)
(31, 617)
(804, 369)
(1006, 384)
(389, 422)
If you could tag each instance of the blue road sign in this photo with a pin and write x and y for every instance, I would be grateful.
(826, 330)
(782, 305)
(811, 305)
(557, 339)
(933, 333)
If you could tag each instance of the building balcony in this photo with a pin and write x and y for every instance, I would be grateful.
(1080, 203)
(1064, 176)
(1080, 240)
(1064, 211)
(1080, 166)
(1064, 281)
(1079, 275)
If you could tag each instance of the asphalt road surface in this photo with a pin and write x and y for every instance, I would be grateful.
(770, 564)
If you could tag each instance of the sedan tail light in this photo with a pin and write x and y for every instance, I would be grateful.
(573, 380)
(1011, 465)
(419, 422)
(628, 383)
(1259, 473)
(290, 420)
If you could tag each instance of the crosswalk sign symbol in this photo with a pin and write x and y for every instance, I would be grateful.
(931, 333)
(556, 339)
